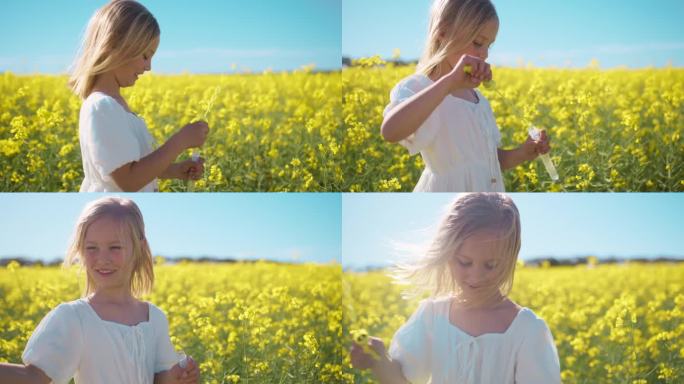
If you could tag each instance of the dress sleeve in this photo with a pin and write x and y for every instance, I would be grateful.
(165, 357)
(112, 143)
(426, 133)
(411, 345)
(56, 344)
(538, 358)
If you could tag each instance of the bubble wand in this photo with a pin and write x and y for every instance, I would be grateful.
(533, 131)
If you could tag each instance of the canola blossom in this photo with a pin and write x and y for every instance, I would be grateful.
(610, 130)
(268, 131)
(243, 323)
(611, 323)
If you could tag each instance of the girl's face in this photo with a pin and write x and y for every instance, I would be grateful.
(108, 258)
(126, 75)
(474, 266)
(480, 46)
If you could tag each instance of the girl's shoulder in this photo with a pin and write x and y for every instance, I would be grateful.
(415, 83)
(74, 306)
(71, 312)
(529, 323)
(434, 307)
(157, 315)
(102, 103)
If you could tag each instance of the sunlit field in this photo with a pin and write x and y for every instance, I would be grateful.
(246, 323)
(611, 130)
(268, 132)
(611, 324)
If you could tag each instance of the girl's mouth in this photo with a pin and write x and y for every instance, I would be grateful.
(105, 272)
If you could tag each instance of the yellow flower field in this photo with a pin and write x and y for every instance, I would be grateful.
(243, 323)
(269, 132)
(611, 130)
(611, 323)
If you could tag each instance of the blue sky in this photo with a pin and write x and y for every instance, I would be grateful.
(197, 36)
(286, 227)
(376, 226)
(566, 33)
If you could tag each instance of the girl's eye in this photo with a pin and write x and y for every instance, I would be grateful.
(477, 44)
(90, 249)
(490, 266)
(115, 247)
(464, 264)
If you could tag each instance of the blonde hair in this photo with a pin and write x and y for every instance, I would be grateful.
(469, 214)
(132, 229)
(116, 34)
(453, 25)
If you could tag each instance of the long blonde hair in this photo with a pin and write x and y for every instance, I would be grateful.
(116, 34)
(453, 25)
(469, 214)
(132, 230)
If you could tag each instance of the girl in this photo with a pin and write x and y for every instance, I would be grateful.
(438, 113)
(469, 331)
(108, 336)
(116, 147)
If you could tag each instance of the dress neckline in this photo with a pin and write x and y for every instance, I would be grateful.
(92, 310)
(496, 334)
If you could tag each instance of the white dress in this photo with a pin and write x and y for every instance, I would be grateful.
(432, 350)
(73, 341)
(458, 142)
(110, 137)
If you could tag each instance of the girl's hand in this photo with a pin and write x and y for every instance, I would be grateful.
(190, 170)
(363, 360)
(194, 134)
(534, 148)
(480, 71)
(188, 375)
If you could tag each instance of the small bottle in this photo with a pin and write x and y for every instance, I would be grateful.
(195, 157)
(182, 359)
(535, 134)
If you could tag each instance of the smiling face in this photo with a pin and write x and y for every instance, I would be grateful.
(127, 74)
(108, 256)
(475, 266)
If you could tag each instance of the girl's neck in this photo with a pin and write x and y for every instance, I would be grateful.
(492, 304)
(107, 84)
(440, 70)
(112, 296)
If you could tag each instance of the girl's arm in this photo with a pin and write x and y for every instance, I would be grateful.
(527, 151)
(389, 372)
(407, 117)
(133, 176)
(22, 374)
(385, 370)
(184, 170)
